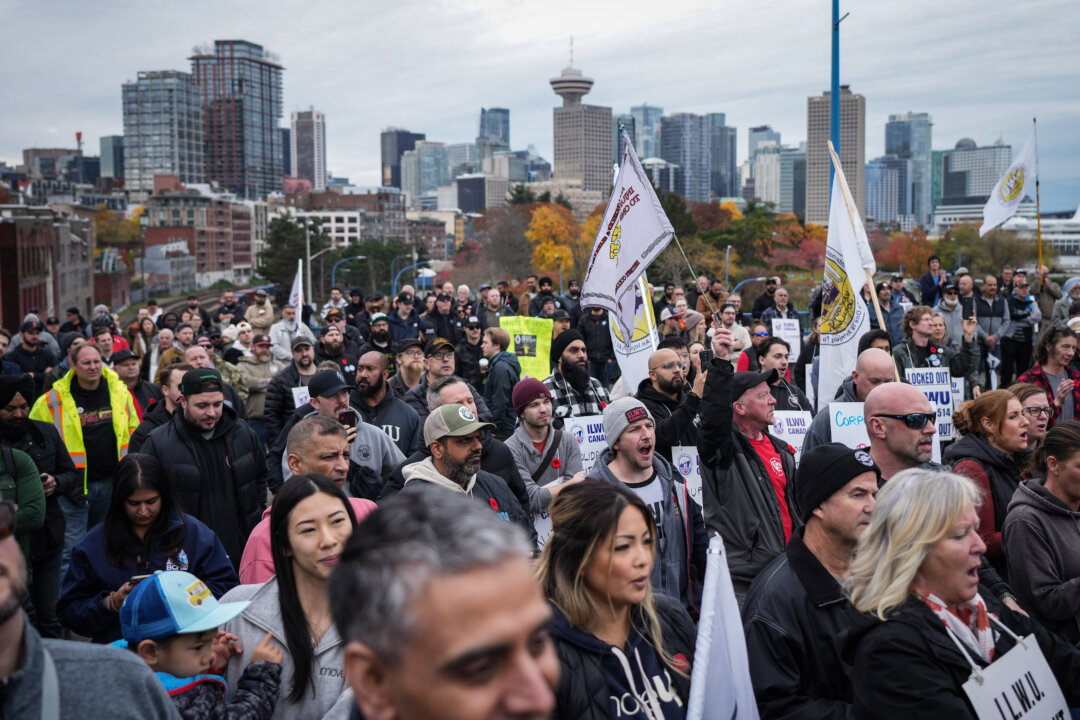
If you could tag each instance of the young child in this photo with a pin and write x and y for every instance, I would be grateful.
(171, 620)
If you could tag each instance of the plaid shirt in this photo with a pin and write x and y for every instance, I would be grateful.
(564, 396)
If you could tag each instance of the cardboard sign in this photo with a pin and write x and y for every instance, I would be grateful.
(530, 341)
(542, 520)
(959, 390)
(588, 430)
(937, 385)
(301, 396)
(686, 460)
(849, 427)
(791, 426)
(1019, 684)
(788, 330)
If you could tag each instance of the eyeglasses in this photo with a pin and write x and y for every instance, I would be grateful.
(915, 421)
(7, 518)
(413, 353)
(1037, 412)
(670, 365)
(761, 334)
(443, 355)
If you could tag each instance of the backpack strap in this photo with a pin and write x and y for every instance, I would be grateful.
(548, 456)
(7, 458)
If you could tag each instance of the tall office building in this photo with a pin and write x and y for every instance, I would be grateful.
(722, 168)
(462, 158)
(908, 136)
(424, 169)
(112, 156)
(767, 173)
(286, 150)
(163, 129)
(889, 190)
(966, 174)
(582, 134)
(684, 141)
(852, 152)
(495, 126)
(394, 142)
(307, 151)
(647, 127)
(630, 123)
(239, 85)
(755, 138)
(793, 181)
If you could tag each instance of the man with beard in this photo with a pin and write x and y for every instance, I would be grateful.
(439, 362)
(440, 322)
(452, 436)
(575, 393)
(253, 378)
(765, 300)
(409, 354)
(507, 297)
(666, 300)
(494, 308)
(349, 333)
(355, 306)
(631, 460)
(229, 310)
(894, 445)
(373, 305)
(288, 389)
(672, 402)
(593, 326)
(379, 341)
(336, 302)
(468, 353)
(194, 309)
(97, 681)
(214, 461)
(536, 304)
(332, 347)
(169, 381)
(33, 359)
(144, 393)
(873, 367)
(463, 303)
(572, 300)
(197, 357)
(260, 314)
(378, 405)
(526, 298)
(284, 331)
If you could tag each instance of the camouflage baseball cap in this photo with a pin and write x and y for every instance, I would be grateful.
(453, 420)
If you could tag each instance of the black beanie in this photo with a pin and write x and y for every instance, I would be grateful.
(559, 344)
(825, 470)
(12, 384)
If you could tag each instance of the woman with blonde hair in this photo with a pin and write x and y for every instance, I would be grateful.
(624, 652)
(993, 452)
(929, 630)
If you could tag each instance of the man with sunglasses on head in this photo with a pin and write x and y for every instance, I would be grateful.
(671, 400)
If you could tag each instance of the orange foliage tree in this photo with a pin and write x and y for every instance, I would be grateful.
(552, 232)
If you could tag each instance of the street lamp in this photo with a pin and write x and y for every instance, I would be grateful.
(727, 253)
(333, 270)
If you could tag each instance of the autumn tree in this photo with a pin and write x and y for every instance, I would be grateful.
(501, 237)
(115, 230)
(989, 253)
(520, 194)
(552, 233)
(678, 215)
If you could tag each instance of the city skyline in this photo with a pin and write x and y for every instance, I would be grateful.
(991, 70)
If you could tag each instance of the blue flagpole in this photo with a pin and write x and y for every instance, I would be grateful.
(834, 96)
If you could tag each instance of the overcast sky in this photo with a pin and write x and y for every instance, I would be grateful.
(981, 68)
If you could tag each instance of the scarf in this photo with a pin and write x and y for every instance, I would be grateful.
(971, 625)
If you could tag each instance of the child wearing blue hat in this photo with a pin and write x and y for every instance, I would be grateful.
(171, 621)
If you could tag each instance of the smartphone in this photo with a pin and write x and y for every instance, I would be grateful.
(136, 579)
(968, 307)
(348, 418)
(706, 358)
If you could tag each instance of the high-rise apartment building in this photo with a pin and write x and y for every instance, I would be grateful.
(582, 134)
(627, 121)
(647, 127)
(495, 126)
(852, 152)
(394, 142)
(908, 136)
(307, 151)
(286, 153)
(424, 169)
(112, 156)
(966, 175)
(793, 181)
(239, 85)
(163, 129)
(889, 190)
(462, 158)
(684, 141)
(722, 168)
(755, 138)
(767, 173)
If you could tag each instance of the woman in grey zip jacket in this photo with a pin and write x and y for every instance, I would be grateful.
(310, 522)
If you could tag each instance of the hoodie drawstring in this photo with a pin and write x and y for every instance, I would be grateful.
(648, 701)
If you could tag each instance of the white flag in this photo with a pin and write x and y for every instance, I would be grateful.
(1018, 182)
(844, 314)
(720, 686)
(633, 233)
(633, 355)
(296, 295)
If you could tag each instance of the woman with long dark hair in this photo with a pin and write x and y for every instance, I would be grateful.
(624, 651)
(144, 530)
(1054, 373)
(310, 522)
(993, 452)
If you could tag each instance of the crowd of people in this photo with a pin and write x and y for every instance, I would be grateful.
(369, 510)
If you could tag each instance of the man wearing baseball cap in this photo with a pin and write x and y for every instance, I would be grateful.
(631, 459)
(452, 435)
(31, 355)
(404, 321)
(441, 322)
(439, 362)
(253, 376)
(378, 340)
(796, 610)
(260, 314)
(214, 460)
(143, 392)
(469, 352)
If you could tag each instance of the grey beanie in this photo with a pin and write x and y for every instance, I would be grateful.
(621, 414)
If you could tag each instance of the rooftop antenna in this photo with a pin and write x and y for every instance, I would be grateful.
(571, 51)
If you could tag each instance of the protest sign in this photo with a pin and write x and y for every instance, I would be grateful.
(936, 384)
(686, 460)
(849, 428)
(588, 430)
(542, 520)
(530, 340)
(959, 386)
(791, 426)
(788, 330)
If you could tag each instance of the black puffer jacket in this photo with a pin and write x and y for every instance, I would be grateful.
(181, 451)
(674, 419)
(152, 419)
(204, 699)
(583, 692)
(597, 337)
(279, 400)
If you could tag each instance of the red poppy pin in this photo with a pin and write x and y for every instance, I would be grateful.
(555, 463)
(494, 504)
(681, 663)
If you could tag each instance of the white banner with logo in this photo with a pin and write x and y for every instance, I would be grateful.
(686, 460)
(791, 426)
(588, 430)
(788, 330)
(937, 385)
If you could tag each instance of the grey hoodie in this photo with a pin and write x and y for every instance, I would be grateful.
(528, 459)
(1041, 539)
(332, 699)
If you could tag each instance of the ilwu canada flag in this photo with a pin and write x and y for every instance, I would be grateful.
(634, 232)
(1018, 183)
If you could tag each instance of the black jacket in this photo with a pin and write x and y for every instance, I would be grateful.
(468, 364)
(434, 325)
(495, 458)
(152, 419)
(674, 419)
(32, 363)
(908, 667)
(793, 617)
(279, 400)
(416, 398)
(583, 692)
(345, 362)
(147, 394)
(738, 498)
(597, 337)
(504, 372)
(399, 421)
(182, 452)
(42, 443)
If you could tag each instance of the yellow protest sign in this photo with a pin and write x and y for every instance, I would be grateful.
(530, 340)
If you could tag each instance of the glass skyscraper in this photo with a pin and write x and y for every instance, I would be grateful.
(163, 129)
(908, 136)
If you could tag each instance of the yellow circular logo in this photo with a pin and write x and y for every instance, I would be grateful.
(837, 300)
(1013, 185)
(615, 246)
